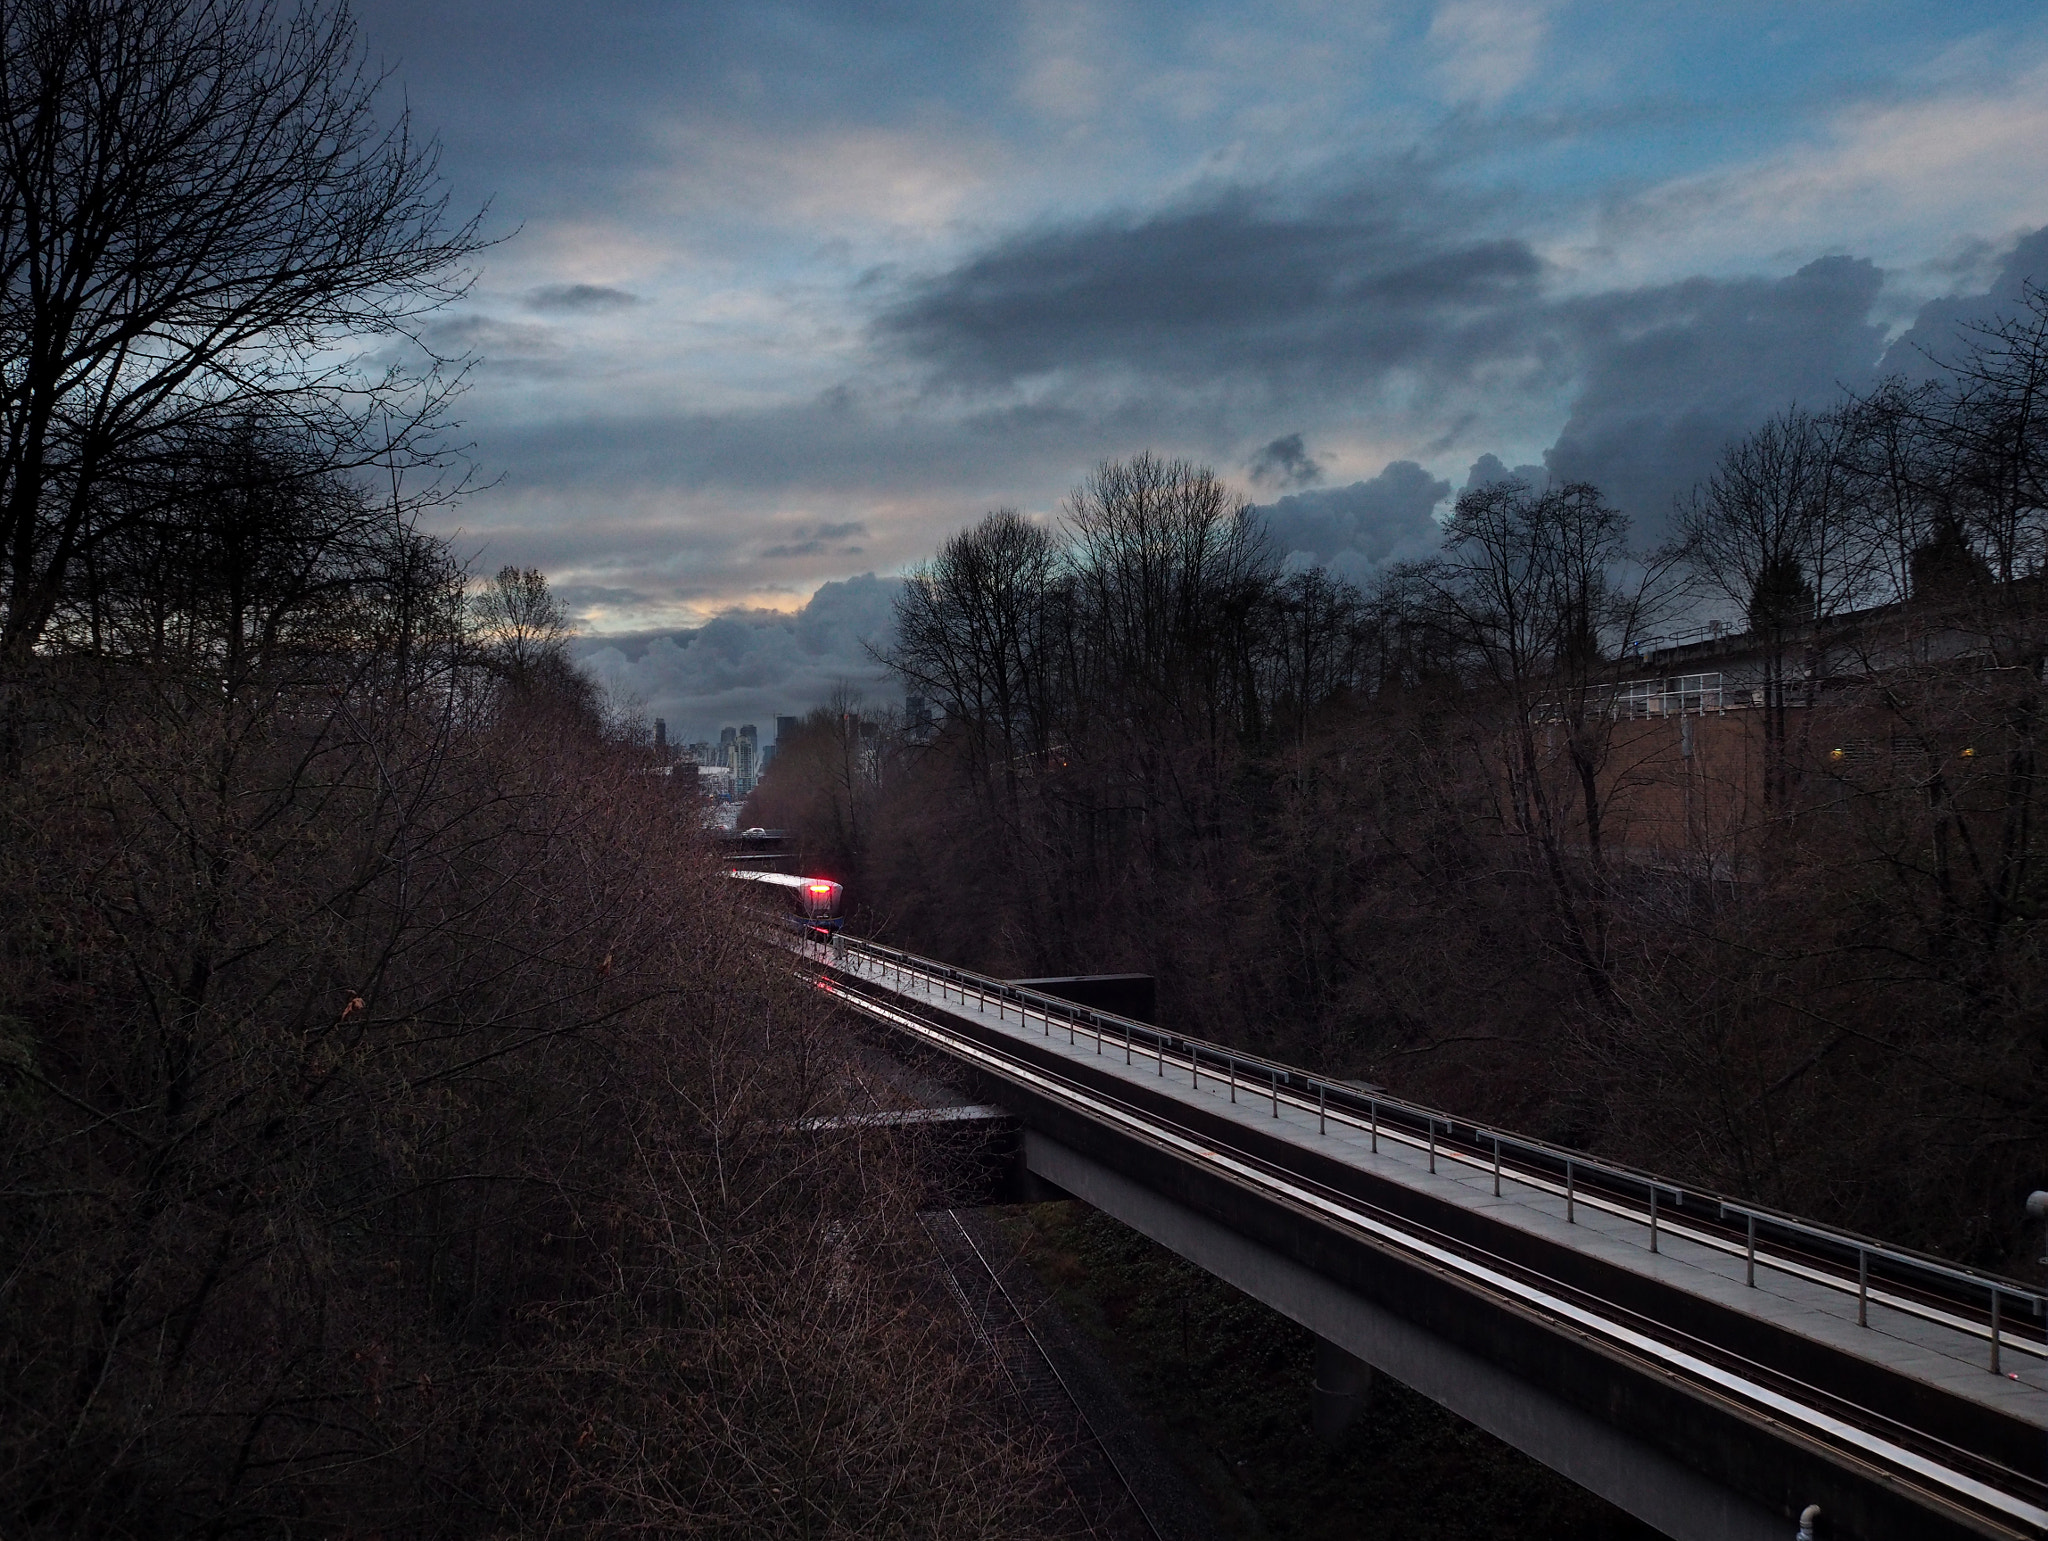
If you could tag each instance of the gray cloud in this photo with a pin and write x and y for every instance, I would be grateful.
(753, 665)
(492, 339)
(575, 298)
(1488, 469)
(1657, 379)
(1346, 285)
(1358, 529)
(1284, 463)
(1390, 305)
(1672, 373)
(1395, 287)
(1942, 326)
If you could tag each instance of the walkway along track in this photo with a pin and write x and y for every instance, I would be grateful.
(1768, 1392)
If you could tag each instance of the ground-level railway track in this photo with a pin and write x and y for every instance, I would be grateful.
(1103, 1496)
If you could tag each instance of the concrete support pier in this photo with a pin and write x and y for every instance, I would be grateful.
(1341, 1391)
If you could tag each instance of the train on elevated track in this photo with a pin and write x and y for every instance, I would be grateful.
(806, 903)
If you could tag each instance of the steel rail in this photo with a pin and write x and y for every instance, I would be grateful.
(1856, 1441)
(1589, 1201)
(1370, 1110)
(1038, 1347)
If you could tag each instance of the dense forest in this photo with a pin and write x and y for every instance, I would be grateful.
(1403, 833)
(400, 1131)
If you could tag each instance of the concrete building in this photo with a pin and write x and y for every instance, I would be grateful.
(1690, 748)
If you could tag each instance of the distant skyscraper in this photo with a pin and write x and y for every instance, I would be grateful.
(785, 727)
(660, 739)
(739, 749)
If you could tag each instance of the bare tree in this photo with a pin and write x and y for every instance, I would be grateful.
(521, 623)
(1998, 424)
(1902, 494)
(1542, 593)
(412, 1136)
(1774, 532)
(199, 212)
(974, 629)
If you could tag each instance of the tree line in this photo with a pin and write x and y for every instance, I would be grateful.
(401, 1130)
(1403, 831)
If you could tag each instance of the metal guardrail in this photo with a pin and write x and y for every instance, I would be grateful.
(1574, 1175)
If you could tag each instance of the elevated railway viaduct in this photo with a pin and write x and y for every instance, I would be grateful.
(1716, 1369)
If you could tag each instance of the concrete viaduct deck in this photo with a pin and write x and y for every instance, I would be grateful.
(1715, 1369)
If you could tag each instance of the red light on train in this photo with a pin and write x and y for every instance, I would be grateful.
(821, 888)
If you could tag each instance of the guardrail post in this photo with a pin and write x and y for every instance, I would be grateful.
(1571, 1192)
(1322, 1109)
(1996, 1292)
(1496, 1163)
(1230, 1069)
(1127, 1043)
(1096, 1022)
(1276, 1091)
(1432, 1142)
(1653, 1217)
(1373, 1106)
(1195, 1067)
(1863, 1287)
(1751, 1259)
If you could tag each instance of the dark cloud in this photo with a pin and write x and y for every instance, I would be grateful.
(1662, 377)
(580, 597)
(1383, 276)
(1396, 286)
(754, 665)
(493, 340)
(1672, 373)
(1399, 306)
(1489, 469)
(1942, 327)
(819, 541)
(1284, 463)
(1357, 529)
(584, 298)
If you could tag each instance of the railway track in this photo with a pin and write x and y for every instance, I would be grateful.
(1104, 1499)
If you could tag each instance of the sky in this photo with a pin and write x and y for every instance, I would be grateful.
(782, 294)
